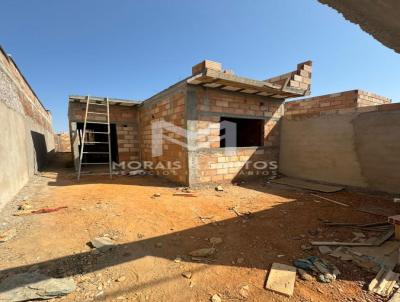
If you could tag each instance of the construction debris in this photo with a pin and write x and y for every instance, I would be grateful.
(204, 252)
(219, 188)
(375, 210)
(25, 206)
(396, 221)
(215, 240)
(102, 243)
(187, 275)
(245, 215)
(7, 235)
(371, 258)
(34, 286)
(48, 210)
(331, 200)
(327, 272)
(304, 275)
(244, 291)
(374, 242)
(216, 298)
(384, 282)
(302, 184)
(185, 194)
(39, 211)
(324, 249)
(281, 279)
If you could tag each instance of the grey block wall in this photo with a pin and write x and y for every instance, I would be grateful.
(360, 149)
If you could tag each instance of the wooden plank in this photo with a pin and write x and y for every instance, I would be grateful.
(384, 282)
(331, 200)
(375, 210)
(377, 242)
(395, 297)
(281, 279)
(298, 183)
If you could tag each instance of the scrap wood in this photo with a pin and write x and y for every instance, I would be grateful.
(303, 184)
(331, 200)
(376, 242)
(395, 297)
(185, 194)
(372, 209)
(384, 282)
(246, 214)
(328, 223)
(48, 210)
(7, 235)
(281, 279)
(378, 227)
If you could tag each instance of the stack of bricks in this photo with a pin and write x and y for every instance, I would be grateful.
(336, 103)
(300, 78)
(169, 109)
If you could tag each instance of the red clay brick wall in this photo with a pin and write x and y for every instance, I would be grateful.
(126, 120)
(16, 93)
(213, 164)
(369, 99)
(342, 102)
(168, 106)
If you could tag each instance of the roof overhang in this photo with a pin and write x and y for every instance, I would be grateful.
(96, 99)
(229, 82)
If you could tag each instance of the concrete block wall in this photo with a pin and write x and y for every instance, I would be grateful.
(27, 136)
(167, 106)
(354, 146)
(210, 163)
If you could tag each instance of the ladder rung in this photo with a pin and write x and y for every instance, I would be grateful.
(94, 152)
(93, 122)
(101, 113)
(95, 163)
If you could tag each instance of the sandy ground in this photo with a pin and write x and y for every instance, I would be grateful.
(151, 233)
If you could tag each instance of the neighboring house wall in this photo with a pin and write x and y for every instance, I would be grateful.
(26, 130)
(62, 142)
(210, 163)
(340, 139)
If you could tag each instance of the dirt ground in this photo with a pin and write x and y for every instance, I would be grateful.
(155, 235)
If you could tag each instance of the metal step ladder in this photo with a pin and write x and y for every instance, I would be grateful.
(89, 113)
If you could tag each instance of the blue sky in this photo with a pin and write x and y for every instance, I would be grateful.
(133, 49)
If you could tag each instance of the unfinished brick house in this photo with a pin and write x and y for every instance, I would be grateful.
(199, 104)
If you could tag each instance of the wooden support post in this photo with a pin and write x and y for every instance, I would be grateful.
(396, 221)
